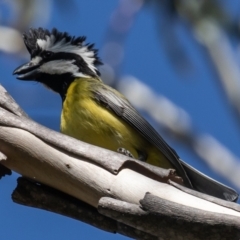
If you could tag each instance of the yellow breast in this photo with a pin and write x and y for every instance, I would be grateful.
(85, 119)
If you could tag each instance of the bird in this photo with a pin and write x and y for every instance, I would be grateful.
(98, 114)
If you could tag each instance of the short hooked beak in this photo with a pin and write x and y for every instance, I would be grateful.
(27, 71)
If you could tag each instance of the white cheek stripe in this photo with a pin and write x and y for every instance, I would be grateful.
(62, 46)
(60, 67)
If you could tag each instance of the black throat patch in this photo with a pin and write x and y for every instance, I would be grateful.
(57, 83)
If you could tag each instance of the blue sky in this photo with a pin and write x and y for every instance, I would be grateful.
(195, 90)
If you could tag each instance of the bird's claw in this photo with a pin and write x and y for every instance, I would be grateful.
(125, 152)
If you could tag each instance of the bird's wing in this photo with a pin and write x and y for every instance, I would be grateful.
(114, 101)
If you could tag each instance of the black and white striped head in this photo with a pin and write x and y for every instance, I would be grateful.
(57, 58)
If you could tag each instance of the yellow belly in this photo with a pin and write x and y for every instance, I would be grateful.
(85, 119)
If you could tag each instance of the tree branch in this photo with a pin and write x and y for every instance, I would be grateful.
(169, 220)
(66, 164)
(35, 195)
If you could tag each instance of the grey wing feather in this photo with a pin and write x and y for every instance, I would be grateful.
(126, 111)
(192, 177)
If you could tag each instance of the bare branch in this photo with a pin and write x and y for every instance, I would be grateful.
(190, 222)
(159, 217)
(67, 164)
(30, 194)
(209, 198)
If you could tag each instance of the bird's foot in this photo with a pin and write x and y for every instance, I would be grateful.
(125, 152)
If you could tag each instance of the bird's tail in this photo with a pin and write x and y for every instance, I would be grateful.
(205, 184)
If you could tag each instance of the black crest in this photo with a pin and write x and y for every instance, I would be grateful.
(30, 39)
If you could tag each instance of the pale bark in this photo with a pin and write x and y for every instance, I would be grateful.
(89, 173)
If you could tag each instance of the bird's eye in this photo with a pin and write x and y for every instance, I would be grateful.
(47, 54)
